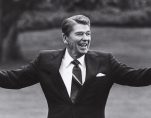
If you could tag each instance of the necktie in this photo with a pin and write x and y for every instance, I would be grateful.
(76, 80)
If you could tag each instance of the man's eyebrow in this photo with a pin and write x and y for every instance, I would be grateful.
(79, 32)
(83, 31)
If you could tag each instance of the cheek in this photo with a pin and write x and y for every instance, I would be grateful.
(72, 45)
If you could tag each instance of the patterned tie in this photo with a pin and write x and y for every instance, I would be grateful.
(76, 80)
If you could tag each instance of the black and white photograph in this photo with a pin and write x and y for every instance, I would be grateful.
(75, 58)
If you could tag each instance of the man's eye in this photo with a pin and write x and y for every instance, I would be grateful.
(82, 33)
(79, 33)
(88, 33)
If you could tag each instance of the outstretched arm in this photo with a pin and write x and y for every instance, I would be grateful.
(125, 75)
(19, 78)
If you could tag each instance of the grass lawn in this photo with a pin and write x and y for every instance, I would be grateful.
(130, 46)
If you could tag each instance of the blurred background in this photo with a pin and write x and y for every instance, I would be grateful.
(121, 27)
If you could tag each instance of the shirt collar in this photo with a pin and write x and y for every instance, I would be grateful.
(68, 59)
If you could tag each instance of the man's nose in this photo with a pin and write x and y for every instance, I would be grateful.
(86, 37)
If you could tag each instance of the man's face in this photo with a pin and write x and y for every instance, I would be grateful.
(78, 41)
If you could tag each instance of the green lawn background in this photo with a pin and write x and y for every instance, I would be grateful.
(129, 45)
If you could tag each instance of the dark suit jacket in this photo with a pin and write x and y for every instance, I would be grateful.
(91, 100)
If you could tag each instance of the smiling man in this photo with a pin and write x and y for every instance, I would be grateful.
(76, 81)
(77, 39)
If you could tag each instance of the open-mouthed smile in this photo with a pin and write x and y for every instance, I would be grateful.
(84, 44)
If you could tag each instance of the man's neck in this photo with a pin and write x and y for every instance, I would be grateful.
(67, 58)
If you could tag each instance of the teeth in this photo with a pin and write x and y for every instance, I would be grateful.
(83, 44)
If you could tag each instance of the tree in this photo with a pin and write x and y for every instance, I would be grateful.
(11, 12)
(0, 18)
(0, 28)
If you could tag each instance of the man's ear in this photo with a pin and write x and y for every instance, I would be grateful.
(64, 37)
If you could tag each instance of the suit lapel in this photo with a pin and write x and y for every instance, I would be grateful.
(91, 70)
(91, 66)
(53, 65)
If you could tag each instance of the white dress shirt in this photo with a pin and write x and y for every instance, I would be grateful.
(66, 70)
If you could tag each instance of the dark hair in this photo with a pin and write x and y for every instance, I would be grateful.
(68, 23)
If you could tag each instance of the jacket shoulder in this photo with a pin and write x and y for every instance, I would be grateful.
(48, 52)
(47, 55)
(99, 53)
(99, 56)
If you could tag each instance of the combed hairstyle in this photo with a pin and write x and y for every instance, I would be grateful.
(68, 23)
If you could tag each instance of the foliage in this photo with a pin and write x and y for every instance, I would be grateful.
(94, 4)
(108, 16)
(49, 13)
(12, 10)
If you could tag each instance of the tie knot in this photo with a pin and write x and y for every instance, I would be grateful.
(75, 62)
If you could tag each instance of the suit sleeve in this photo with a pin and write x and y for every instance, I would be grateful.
(20, 78)
(124, 75)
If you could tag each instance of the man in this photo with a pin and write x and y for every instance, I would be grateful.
(76, 82)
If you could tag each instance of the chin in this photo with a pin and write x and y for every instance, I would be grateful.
(83, 52)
